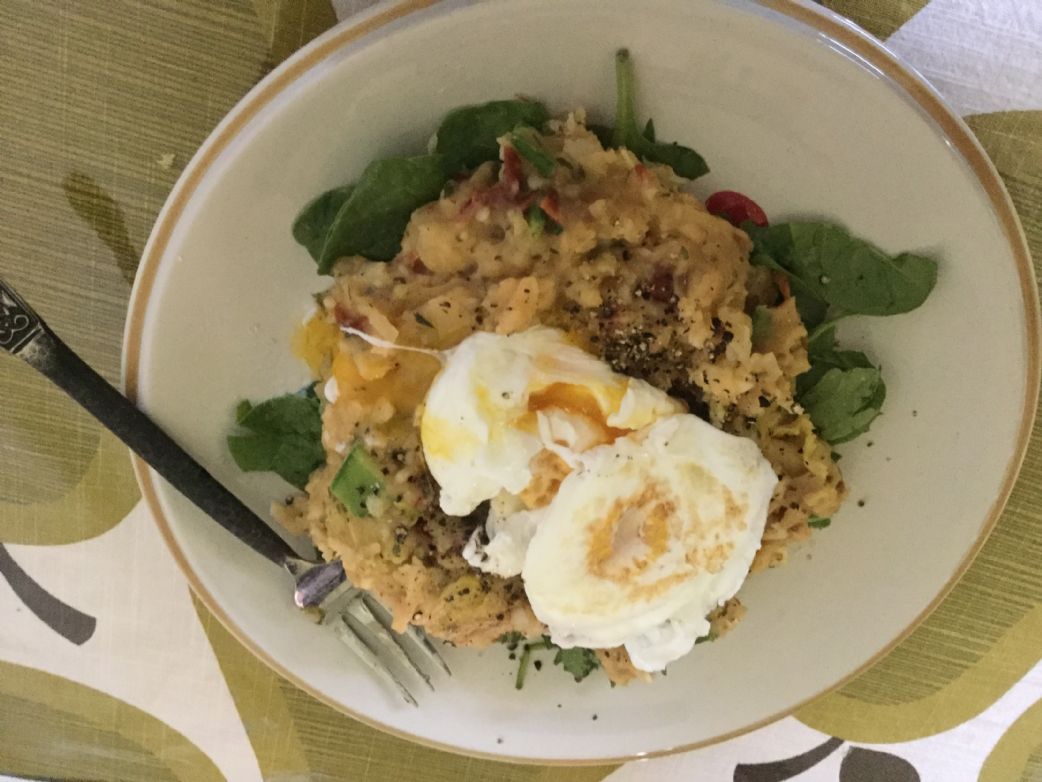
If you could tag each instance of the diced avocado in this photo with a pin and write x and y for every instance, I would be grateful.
(357, 480)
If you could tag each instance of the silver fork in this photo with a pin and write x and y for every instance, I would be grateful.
(321, 589)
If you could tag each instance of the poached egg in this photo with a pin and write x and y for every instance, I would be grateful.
(653, 518)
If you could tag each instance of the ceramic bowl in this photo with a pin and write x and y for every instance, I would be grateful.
(788, 104)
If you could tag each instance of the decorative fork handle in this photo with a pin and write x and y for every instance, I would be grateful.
(25, 335)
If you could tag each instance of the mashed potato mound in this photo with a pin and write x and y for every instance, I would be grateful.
(636, 271)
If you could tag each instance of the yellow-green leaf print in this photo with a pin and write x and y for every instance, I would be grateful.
(289, 24)
(294, 734)
(1018, 754)
(879, 17)
(54, 727)
(103, 105)
(1013, 140)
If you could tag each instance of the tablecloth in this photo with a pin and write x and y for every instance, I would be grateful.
(102, 103)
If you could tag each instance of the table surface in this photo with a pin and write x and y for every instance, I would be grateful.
(103, 103)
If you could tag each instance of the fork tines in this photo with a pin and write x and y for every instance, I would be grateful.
(364, 626)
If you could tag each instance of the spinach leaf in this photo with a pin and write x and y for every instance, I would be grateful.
(844, 402)
(312, 224)
(828, 267)
(372, 220)
(528, 146)
(579, 662)
(283, 435)
(823, 356)
(627, 133)
(468, 135)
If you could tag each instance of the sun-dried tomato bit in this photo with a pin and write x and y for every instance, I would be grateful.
(736, 208)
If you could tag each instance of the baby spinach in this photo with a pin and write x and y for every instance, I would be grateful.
(842, 391)
(283, 435)
(627, 133)
(312, 224)
(468, 135)
(828, 267)
(372, 220)
(844, 402)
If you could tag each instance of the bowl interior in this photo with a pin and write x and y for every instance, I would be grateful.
(781, 112)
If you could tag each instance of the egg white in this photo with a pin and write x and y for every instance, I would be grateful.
(646, 537)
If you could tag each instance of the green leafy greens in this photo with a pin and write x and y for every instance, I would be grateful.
(579, 662)
(283, 435)
(372, 220)
(369, 217)
(312, 224)
(834, 275)
(627, 133)
(468, 136)
(829, 268)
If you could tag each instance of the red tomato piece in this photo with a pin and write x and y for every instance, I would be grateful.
(736, 208)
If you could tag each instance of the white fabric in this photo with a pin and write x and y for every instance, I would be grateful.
(982, 55)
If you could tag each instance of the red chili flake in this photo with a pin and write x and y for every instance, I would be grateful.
(350, 319)
(510, 174)
(736, 208)
(552, 206)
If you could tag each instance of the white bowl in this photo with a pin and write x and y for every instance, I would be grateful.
(789, 105)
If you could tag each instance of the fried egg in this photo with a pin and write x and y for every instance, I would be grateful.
(646, 537)
(501, 399)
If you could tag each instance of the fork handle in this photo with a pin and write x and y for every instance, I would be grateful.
(45, 352)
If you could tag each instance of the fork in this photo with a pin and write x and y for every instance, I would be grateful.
(321, 589)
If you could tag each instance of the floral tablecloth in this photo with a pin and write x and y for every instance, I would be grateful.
(124, 676)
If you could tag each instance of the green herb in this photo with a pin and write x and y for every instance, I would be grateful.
(824, 262)
(511, 639)
(283, 435)
(763, 324)
(372, 220)
(312, 224)
(422, 320)
(526, 653)
(579, 662)
(818, 523)
(536, 219)
(469, 135)
(684, 161)
(528, 146)
(358, 479)
(707, 638)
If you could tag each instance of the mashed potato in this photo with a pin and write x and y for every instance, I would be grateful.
(635, 271)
